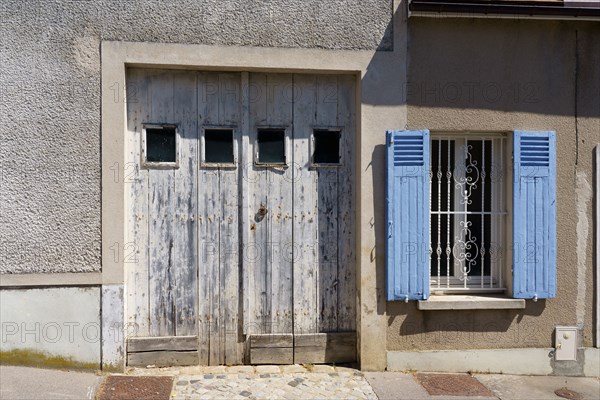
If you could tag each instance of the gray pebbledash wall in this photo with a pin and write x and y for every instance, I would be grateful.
(50, 99)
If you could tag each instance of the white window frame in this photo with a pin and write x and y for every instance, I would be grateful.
(501, 193)
(203, 162)
(286, 145)
(312, 146)
(158, 165)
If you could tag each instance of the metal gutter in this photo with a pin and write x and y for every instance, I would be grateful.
(597, 260)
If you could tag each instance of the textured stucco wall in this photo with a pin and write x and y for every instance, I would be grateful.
(501, 75)
(50, 99)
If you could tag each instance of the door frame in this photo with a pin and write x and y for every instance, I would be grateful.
(387, 84)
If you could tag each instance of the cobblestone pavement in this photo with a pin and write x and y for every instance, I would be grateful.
(267, 382)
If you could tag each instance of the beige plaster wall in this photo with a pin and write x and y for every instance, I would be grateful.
(501, 75)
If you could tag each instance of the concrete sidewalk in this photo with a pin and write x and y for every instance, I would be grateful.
(398, 385)
(295, 381)
(23, 383)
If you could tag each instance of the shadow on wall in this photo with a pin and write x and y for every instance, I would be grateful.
(378, 168)
(481, 326)
(389, 61)
(527, 66)
(377, 89)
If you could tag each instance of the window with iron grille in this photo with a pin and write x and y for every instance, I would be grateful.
(471, 213)
(468, 213)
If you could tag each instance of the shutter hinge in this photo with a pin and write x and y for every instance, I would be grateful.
(390, 229)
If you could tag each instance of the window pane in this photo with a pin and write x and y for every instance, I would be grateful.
(160, 145)
(327, 147)
(466, 226)
(218, 146)
(271, 146)
(442, 203)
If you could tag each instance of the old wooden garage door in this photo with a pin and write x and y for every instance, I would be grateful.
(240, 232)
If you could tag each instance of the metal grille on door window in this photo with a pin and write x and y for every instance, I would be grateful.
(467, 213)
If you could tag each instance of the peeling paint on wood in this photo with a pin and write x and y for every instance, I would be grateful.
(205, 264)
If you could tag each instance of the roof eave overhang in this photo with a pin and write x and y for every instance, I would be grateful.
(582, 11)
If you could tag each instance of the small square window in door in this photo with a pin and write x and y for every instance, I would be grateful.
(218, 146)
(271, 146)
(326, 147)
(161, 145)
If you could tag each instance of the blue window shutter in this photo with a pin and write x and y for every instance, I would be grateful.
(534, 215)
(407, 215)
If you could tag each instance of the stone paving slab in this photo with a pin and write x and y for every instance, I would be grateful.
(348, 384)
(332, 382)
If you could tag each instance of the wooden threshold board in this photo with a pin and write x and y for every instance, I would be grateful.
(162, 351)
(272, 349)
(315, 348)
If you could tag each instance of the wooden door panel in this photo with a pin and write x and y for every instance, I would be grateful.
(185, 238)
(327, 206)
(161, 211)
(196, 228)
(346, 226)
(136, 189)
(324, 294)
(161, 273)
(220, 340)
(306, 274)
(268, 254)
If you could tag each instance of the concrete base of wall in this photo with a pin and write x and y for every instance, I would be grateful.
(113, 328)
(592, 362)
(51, 327)
(526, 361)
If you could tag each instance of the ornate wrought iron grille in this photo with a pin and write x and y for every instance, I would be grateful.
(468, 213)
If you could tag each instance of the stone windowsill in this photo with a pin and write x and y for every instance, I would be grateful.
(470, 302)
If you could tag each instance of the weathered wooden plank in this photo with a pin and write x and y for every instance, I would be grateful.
(161, 253)
(274, 340)
(213, 186)
(245, 159)
(255, 256)
(165, 343)
(327, 186)
(132, 78)
(279, 204)
(325, 348)
(135, 251)
(272, 355)
(323, 339)
(305, 214)
(209, 211)
(346, 114)
(204, 284)
(324, 355)
(229, 114)
(162, 358)
(186, 205)
(161, 210)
